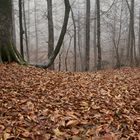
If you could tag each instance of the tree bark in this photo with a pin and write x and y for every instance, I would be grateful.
(99, 64)
(79, 40)
(75, 38)
(36, 31)
(21, 27)
(26, 35)
(139, 40)
(87, 49)
(8, 52)
(95, 37)
(131, 54)
(50, 31)
(61, 37)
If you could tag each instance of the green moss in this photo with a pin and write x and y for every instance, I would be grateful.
(10, 54)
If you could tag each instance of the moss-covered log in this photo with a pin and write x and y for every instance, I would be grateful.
(8, 52)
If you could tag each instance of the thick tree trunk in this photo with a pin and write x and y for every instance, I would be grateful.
(8, 52)
(131, 54)
(139, 40)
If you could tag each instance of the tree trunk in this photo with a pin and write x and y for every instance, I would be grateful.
(8, 52)
(50, 31)
(14, 25)
(21, 28)
(61, 37)
(75, 38)
(87, 50)
(66, 57)
(139, 40)
(79, 40)
(95, 37)
(131, 48)
(132, 34)
(26, 35)
(36, 31)
(99, 64)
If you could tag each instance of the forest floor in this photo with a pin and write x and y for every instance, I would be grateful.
(38, 104)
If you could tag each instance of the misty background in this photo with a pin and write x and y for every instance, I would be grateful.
(114, 15)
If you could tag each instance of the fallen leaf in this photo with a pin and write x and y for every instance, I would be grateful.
(72, 123)
(58, 132)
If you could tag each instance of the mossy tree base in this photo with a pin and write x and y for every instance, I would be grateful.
(10, 54)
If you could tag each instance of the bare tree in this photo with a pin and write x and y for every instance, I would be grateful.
(50, 31)
(117, 32)
(87, 47)
(61, 37)
(131, 54)
(25, 28)
(79, 38)
(95, 36)
(99, 64)
(36, 31)
(66, 57)
(28, 26)
(75, 38)
(21, 27)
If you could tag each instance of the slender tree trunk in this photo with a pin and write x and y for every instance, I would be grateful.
(67, 52)
(28, 27)
(14, 25)
(87, 49)
(21, 28)
(75, 38)
(36, 31)
(50, 31)
(26, 36)
(99, 64)
(116, 39)
(59, 66)
(61, 37)
(132, 34)
(95, 37)
(79, 41)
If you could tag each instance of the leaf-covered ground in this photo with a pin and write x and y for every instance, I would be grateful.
(38, 104)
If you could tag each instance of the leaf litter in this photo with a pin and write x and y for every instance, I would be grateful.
(38, 104)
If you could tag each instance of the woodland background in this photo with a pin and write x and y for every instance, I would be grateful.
(119, 45)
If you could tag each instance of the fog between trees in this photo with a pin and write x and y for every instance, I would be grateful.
(119, 33)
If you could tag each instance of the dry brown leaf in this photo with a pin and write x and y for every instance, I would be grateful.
(57, 132)
(6, 136)
(72, 123)
(75, 131)
(30, 105)
(76, 138)
(79, 104)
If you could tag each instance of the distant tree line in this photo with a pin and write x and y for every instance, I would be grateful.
(91, 39)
